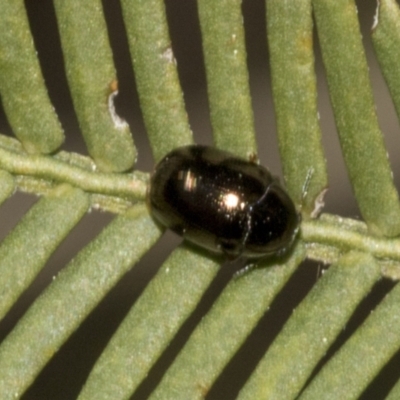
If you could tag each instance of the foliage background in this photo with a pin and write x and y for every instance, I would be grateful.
(65, 374)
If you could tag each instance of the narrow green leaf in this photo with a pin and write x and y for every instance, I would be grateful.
(27, 248)
(371, 347)
(395, 392)
(386, 41)
(156, 75)
(290, 39)
(7, 185)
(23, 92)
(91, 76)
(360, 137)
(225, 57)
(311, 330)
(57, 313)
(223, 330)
(150, 325)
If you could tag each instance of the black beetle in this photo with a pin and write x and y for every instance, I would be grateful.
(222, 203)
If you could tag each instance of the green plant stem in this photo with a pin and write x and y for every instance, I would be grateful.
(76, 290)
(53, 169)
(327, 238)
(225, 56)
(345, 235)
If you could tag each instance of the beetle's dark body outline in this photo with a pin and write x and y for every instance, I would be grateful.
(222, 203)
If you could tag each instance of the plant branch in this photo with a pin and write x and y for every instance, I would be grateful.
(38, 174)
(327, 238)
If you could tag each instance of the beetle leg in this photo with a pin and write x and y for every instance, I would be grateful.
(244, 270)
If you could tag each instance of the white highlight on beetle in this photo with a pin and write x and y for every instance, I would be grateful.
(119, 122)
(231, 201)
(189, 178)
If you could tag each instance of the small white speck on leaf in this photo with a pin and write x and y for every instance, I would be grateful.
(169, 56)
(119, 122)
(376, 16)
(319, 204)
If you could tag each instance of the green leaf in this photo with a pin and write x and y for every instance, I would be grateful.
(84, 40)
(372, 345)
(313, 326)
(22, 88)
(223, 330)
(70, 184)
(351, 96)
(290, 38)
(386, 41)
(227, 76)
(27, 248)
(77, 289)
(153, 59)
(148, 328)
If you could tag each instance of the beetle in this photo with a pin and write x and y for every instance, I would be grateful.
(222, 203)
